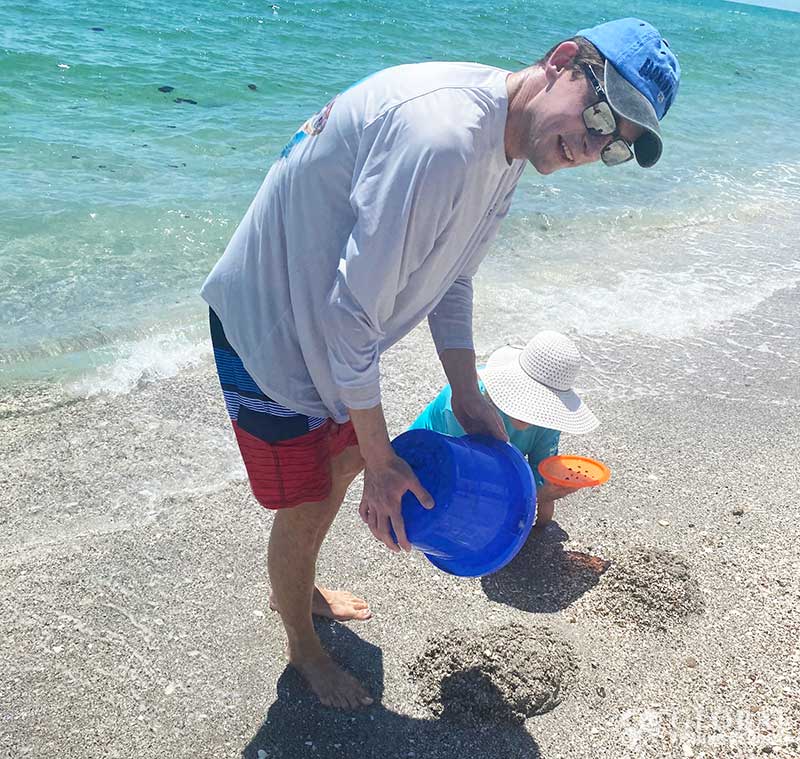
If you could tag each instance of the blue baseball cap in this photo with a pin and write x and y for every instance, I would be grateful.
(642, 76)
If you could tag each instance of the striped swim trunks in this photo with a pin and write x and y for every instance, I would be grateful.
(287, 455)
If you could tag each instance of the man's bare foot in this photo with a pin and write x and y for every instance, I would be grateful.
(331, 684)
(335, 604)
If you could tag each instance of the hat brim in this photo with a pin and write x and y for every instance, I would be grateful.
(529, 401)
(629, 103)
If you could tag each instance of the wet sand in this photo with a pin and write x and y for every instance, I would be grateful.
(662, 608)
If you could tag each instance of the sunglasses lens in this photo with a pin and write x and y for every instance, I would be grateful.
(615, 153)
(599, 118)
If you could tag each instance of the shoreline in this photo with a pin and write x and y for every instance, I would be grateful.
(133, 558)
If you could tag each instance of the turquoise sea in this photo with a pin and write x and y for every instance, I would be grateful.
(135, 134)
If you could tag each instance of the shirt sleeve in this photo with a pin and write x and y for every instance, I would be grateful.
(545, 445)
(405, 186)
(450, 322)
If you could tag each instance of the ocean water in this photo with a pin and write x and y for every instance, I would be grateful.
(134, 136)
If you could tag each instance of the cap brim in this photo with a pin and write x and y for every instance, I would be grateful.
(626, 100)
(522, 397)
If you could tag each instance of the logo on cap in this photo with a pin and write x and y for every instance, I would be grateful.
(649, 70)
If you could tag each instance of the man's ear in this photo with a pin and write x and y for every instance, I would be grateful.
(561, 57)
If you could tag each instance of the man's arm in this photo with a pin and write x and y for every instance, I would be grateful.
(403, 194)
(451, 328)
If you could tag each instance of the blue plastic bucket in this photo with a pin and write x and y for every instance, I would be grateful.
(485, 500)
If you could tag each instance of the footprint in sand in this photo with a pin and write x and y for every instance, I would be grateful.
(500, 674)
(649, 588)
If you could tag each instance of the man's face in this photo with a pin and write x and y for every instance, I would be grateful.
(557, 136)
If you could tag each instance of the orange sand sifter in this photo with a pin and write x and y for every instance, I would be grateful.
(574, 471)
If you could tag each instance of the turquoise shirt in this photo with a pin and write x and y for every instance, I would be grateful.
(536, 443)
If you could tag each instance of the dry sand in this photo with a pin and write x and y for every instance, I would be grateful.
(659, 617)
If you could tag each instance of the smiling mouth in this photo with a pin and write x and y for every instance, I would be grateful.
(565, 151)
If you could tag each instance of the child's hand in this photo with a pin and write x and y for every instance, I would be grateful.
(550, 492)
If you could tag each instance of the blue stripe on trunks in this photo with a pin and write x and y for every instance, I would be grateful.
(232, 372)
(235, 400)
(240, 390)
(248, 405)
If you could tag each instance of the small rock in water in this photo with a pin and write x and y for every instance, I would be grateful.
(186, 100)
(251, 87)
(96, 29)
(166, 88)
(262, 754)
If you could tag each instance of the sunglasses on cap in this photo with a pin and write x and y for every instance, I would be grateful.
(600, 119)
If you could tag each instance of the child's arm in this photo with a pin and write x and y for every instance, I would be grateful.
(546, 496)
(546, 445)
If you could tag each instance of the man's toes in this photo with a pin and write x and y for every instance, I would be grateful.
(362, 697)
(363, 614)
(353, 698)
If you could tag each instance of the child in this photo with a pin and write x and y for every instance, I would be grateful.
(531, 388)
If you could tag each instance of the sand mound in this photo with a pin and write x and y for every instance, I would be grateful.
(502, 674)
(648, 587)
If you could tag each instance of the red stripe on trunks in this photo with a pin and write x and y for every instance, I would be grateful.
(289, 472)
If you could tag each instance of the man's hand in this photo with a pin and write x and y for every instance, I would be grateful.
(477, 415)
(386, 478)
(384, 487)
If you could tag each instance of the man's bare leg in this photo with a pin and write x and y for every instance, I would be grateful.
(340, 605)
(296, 537)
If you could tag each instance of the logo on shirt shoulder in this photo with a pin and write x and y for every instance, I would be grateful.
(311, 128)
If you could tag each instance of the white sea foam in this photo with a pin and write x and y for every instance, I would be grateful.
(666, 281)
(671, 305)
(144, 361)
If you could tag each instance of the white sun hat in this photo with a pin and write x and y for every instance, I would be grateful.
(534, 384)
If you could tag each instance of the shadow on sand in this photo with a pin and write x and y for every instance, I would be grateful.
(298, 727)
(543, 577)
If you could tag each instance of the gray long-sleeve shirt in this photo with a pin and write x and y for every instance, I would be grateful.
(377, 215)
